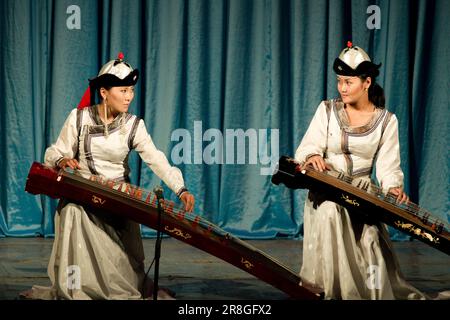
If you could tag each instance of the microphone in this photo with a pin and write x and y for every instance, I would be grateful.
(158, 190)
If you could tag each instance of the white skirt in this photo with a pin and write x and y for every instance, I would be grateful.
(350, 260)
(92, 259)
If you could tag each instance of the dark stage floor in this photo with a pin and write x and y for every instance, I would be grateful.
(196, 275)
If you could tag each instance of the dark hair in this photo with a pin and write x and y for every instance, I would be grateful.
(376, 92)
(107, 88)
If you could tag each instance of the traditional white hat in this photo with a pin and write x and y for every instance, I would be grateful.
(114, 73)
(354, 61)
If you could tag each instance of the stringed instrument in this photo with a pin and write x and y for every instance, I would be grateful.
(139, 205)
(366, 201)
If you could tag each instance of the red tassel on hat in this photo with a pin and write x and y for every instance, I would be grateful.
(86, 99)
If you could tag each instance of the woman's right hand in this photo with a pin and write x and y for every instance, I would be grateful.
(317, 162)
(188, 200)
(71, 163)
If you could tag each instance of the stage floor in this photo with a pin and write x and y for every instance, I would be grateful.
(196, 275)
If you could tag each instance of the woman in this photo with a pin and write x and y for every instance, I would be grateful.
(355, 134)
(104, 252)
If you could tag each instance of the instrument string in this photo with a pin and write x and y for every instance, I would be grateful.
(149, 198)
(376, 191)
(136, 193)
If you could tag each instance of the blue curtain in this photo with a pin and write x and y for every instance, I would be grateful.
(259, 66)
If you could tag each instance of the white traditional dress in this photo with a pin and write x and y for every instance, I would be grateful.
(349, 259)
(100, 256)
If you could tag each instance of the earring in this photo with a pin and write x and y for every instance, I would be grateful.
(106, 120)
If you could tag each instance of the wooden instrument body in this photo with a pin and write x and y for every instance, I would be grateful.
(366, 206)
(196, 232)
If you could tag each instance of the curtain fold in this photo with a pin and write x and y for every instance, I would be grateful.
(211, 69)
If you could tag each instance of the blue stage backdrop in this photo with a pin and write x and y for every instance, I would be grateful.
(259, 66)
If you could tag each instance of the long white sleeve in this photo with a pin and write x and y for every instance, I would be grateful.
(388, 170)
(67, 143)
(314, 140)
(156, 159)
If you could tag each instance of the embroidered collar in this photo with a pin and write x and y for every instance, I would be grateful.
(95, 115)
(343, 120)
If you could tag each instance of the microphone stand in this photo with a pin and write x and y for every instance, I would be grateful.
(159, 195)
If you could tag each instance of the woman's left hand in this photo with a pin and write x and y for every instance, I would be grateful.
(401, 196)
(188, 200)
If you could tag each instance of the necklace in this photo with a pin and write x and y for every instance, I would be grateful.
(362, 110)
